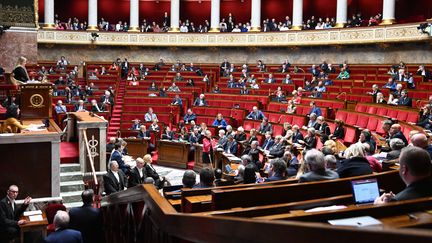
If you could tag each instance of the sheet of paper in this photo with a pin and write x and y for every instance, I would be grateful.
(30, 213)
(318, 209)
(356, 221)
(35, 218)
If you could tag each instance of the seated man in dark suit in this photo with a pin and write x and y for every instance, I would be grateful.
(117, 156)
(270, 79)
(231, 145)
(97, 107)
(415, 170)
(265, 127)
(168, 134)
(114, 179)
(107, 99)
(277, 150)
(318, 172)
(190, 116)
(396, 132)
(10, 214)
(253, 153)
(80, 106)
(297, 135)
(268, 142)
(255, 114)
(404, 100)
(87, 219)
(200, 101)
(138, 174)
(62, 233)
(277, 170)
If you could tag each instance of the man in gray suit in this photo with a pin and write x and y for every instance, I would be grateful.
(318, 172)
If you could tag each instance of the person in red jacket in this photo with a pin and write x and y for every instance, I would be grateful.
(207, 153)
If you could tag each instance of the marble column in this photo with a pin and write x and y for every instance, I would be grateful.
(341, 13)
(215, 16)
(256, 16)
(92, 15)
(297, 15)
(175, 15)
(389, 12)
(49, 14)
(134, 16)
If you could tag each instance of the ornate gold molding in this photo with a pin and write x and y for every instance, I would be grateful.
(367, 35)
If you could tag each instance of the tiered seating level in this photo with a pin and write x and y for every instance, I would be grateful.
(234, 107)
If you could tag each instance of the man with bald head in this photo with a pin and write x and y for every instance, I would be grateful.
(420, 140)
(137, 174)
(396, 132)
(415, 171)
(10, 214)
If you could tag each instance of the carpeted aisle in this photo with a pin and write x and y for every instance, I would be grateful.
(69, 153)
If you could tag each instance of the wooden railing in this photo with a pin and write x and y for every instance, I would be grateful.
(141, 214)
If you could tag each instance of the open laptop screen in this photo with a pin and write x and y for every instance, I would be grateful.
(365, 191)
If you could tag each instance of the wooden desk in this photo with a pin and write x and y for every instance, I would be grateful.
(198, 203)
(172, 153)
(137, 147)
(33, 226)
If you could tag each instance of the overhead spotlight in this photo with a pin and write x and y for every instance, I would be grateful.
(94, 36)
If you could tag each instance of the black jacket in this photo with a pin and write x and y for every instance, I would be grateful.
(87, 220)
(354, 166)
(135, 178)
(111, 184)
(8, 217)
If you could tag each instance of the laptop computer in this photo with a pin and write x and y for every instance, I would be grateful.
(365, 191)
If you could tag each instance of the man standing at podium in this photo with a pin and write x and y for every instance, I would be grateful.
(10, 214)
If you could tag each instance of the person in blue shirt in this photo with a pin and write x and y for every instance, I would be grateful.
(177, 101)
(255, 114)
(220, 121)
(315, 109)
(391, 84)
(60, 108)
(190, 116)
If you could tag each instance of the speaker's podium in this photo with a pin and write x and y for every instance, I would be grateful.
(31, 158)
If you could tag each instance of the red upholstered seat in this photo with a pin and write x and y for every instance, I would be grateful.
(362, 120)
(351, 119)
(350, 135)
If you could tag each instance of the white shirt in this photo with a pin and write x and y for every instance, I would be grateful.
(116, 176)
(140, 171)
(12, 201)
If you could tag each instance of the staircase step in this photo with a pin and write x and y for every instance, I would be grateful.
(70, 167)
(71, 176)
(69, 197)
(73, 204)
(70, 186)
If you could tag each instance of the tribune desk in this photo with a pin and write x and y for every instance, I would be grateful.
(31, 160)
(33, 226)
(173, 153)
(137, 147)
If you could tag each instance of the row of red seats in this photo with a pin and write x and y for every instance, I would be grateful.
(399, 113)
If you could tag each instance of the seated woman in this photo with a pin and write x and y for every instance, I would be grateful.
(154, 127)
(151, 172)
(339, 132)
(343, 74)
(190, 82)
(355, 163)
(153, 87)
(309, 141)
(220, 121)
(296, 99)
(425, 117)
(291, 108)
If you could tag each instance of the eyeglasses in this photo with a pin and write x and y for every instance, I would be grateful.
(13, 191)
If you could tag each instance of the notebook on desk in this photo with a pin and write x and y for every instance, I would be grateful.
(365, 191)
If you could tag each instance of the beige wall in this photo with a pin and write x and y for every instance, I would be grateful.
(14, 44)
(367, 54)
